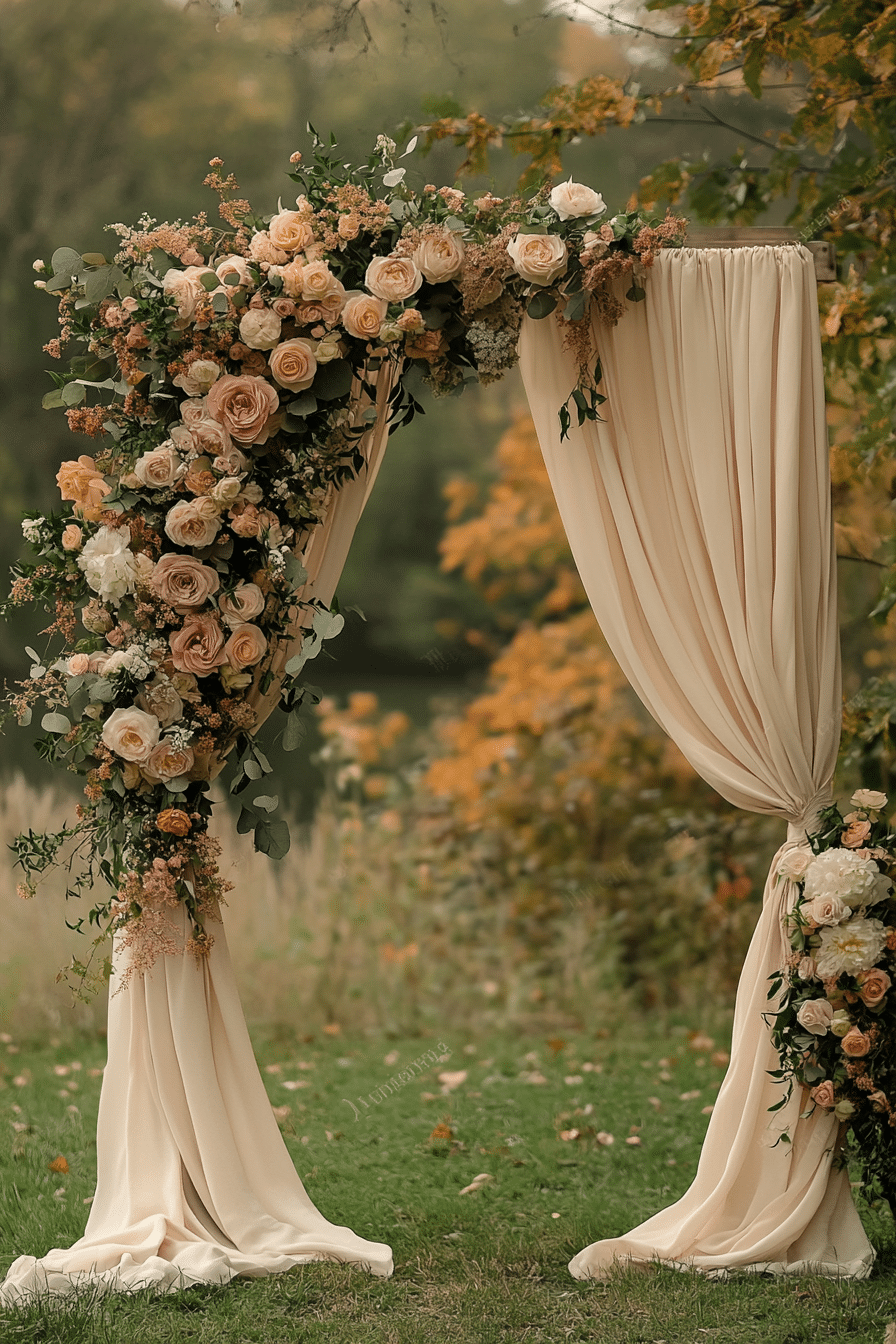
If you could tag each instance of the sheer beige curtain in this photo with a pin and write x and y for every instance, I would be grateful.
(699, 518)
(195, 1184)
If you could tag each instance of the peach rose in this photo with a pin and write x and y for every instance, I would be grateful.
(230, 462)
(185, 290)
(183, 582)
(327, 310)
(855, 835)
(874, 985)
(198, 378)
(393, 278)
(193, 522)
(198, 647)
(291, 277)
(174, 821)
(160, 697)
(823, 1095)
(160, 468)
(243, 404)
(411, 321)
(293, 365)
(440, 256)
(72, 537)
(167, 762)
(245, 647)
(349, 227)
(319, 283)
(245, 602)
(78, 664)
(283, 307)
(84, 485)
(363, 315)
(855, 1043)
(289, 231)
(210, 439)
(191, 412)
(260, 329)
(539, 258)
(131, 734)
(825, 910)
(262, 249)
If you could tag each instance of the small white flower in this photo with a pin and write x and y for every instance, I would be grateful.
(32, 529)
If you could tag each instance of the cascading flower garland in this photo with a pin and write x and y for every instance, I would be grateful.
(227, 374)
(835, 1021)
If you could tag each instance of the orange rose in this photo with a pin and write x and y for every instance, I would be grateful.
(855, 1043)
(198, 647)
(243, 404)
(81, 482)
(174, 821)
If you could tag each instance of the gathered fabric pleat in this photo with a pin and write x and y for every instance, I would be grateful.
(698, 514)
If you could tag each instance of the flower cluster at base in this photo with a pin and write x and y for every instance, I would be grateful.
(835, 1024)
(228, 374)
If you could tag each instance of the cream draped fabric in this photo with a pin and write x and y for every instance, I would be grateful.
(194, 1182)
(699, 518)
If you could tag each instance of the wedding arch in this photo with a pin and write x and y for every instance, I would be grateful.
(241, 384)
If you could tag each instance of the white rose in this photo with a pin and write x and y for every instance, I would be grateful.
(841, 1022)
(816, 1016)
(260, 329)
(328, 350)
(226, 490)
(191, 412)
(794, 864)
(538, 257)
(572, 200)
(440, 256)
(393, 278)
(160, 468)
(825, 910)
(871, 799)
(198, 378)
(131, 733)
(107, 564)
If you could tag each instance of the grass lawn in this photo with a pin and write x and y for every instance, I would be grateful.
(477, 1268)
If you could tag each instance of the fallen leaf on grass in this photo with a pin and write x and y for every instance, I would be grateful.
(633, 1141)
(573, 1079)
(567, 1135)
(689, 1096)
(441, 1131)
(890, 1333)
(59, 1165)
(532, 1076)
(477, 1183)
(604, 1139)
(292, 1084)
(452, 1079)
(707, 1110)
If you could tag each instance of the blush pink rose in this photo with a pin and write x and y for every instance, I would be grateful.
(193, 522)
(245, 647)
(823, 1095)
(855, 834)
(198, 647)
(71, 537)
(245, 602)
(243, 404)
(290, 231)
(167, 762)
(874, 986)
(78, 664)
(393, 278)
(319, 283)
(183, 582)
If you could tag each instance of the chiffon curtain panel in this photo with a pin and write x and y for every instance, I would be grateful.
(699, 517)
(195, 1184)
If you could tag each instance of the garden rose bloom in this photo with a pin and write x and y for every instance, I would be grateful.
(823, 1095)
(283, 307)
(78, 664)
(183, 582)
(225, 491)
(393, 278)
(844, 1109)
(539, 258)
(262, 249)
(794, 863)
(260, 329)
(850, 947)
(234, 266)
(245, 602)
(84, 485)
(131, 734)
(71, 537)
(198, 378)
(411, 321)
(816, 1016)
(245, 647)
(160, 697)
(191, 412)
(572, 200)
(855, 1043)
(187, 687)
(291, 277)
(363, 315)
(807, 969)
(243, 404)
(210, 439)
(874, 986)
(871, 799)
(193, 522)
(855, 834)
(290, 231)
(167, 762)
(160, 468)
(293, 364)
(231, 461)
(825, 910)
(319, 283)
(199, 646)
(841, 1022)
(185, 289)
(174, 821)
(440, 256)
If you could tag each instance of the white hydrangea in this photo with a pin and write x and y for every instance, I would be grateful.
(844, 874)
(132, 660)
(110, 568)
(32, 529)
(851, 947)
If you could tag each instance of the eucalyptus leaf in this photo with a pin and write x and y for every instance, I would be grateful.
(73, 394)
(51, 401)
(252, 769)
(327, 624)
(303, 405)
(246, 821)
(267, 802)
(102, 691)
(99, 284)
(542, 304)
(272, 838)
(55, 723)
(294, 732)
(295, 571)
(66, 261)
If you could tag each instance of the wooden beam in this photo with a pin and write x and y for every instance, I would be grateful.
(824, 255)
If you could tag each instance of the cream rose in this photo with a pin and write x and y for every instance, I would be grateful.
(160, 697)
(131, 734)
(230, 462)
(291, 277)
(363, 315)
(816, 1016)
(199, 646)
(572, 200)
(167, 762)
(185, 289)
(795, 863)
(193, 522)
(871, 799)
(245, 647)
(319, 283)
(191, 412)
(225, 491)
(393, 278)
(262, 249)
(243, 404)
(539, 258)
(440, 256)
(235, 266)
(210, 439)
(290, 231)
(260, 329)
(183, 582)
(841, 1022)
(242, 605)
(293, 364)
(198, 378)
(825, 910)
(160, 468)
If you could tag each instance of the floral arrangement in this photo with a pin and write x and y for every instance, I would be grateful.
(226, 374)
(836, 1020)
